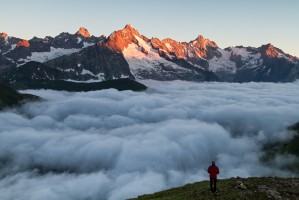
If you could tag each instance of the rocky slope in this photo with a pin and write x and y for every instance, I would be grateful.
(9, 97)
(30, 71)
(234, 188)
(94, 62)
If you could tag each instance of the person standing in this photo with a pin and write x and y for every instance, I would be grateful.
(213, 170)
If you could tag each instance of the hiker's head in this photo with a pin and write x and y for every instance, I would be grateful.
(213, 162)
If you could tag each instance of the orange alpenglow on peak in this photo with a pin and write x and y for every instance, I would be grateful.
(131, 29)
(3, 35)
(129, 26)
(119, 40)
(271, 51)
(23, 43)
(205, 42)
(83, 32)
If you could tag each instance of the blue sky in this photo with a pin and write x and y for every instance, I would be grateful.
(227, 22)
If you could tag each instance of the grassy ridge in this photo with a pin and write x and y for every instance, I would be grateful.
(119, 84)
(257, 188)
(9, 97)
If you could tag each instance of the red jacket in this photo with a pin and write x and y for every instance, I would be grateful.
(213, 170)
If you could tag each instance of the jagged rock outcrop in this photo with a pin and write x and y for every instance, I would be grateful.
(3, 35)
(7, 43)
(5, 64)
(119, 40)
(83, 32)
(175, 48)
(23, 43)
(39, 45)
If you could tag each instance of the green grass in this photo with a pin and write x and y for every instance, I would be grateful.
(257, 188)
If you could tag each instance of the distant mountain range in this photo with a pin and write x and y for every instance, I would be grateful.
(128, 54)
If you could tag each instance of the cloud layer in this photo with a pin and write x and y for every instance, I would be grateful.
(115, 145)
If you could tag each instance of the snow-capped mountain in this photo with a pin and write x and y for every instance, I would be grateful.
(20, 51)
(158, 59)
(127, 53)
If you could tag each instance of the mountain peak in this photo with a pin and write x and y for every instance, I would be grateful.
(3, 35)
(119, 40)
(23, 43)
(129, 26)
(270, 50)
(203, 42)
(200, 37)
(83, 32)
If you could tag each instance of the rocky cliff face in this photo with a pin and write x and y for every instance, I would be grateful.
(31, 71)
(5, 64)
(7, 43)
(94, 62)
(119, 40)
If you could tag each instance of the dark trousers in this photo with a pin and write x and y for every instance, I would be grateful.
(213, 182)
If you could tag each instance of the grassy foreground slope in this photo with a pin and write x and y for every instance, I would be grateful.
(254, 188)
(228, 189)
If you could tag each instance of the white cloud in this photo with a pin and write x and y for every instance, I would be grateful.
(115, 145)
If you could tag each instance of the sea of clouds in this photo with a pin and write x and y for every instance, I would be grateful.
(116, 145)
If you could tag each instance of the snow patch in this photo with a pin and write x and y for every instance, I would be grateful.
(86, 44)
(6, 40)
(69, 70)
(79, 40)
(241, 51)
(13, 46)
(168, 46)
(252, 60)
(46, 56)
(101, 76)
(269, 70)
(85, 71)
(223, 63)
